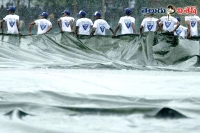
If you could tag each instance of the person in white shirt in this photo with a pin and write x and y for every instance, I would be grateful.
(127, 23)
(83, 24)
(192, 23)
(167, 23)
(12, 21)
(149, 24)
(65, 23)
(100, 25)
(181, 30)
(43, 24)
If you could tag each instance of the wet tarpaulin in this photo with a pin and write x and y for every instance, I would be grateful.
(150, 51)
(97, 98)
(98, 101)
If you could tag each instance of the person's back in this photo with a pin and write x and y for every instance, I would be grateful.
(84, 25)
(100, 25)
(43, 25)
(65, 23)
(12, 21)
(149, 23)
(181, 30)
(192, 23)
(126, 24)
(168, 23)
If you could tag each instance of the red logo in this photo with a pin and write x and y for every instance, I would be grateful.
(187, 10)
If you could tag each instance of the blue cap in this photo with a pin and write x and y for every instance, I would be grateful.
(11, 8)
(97, 14)
(45, 14)
(66, 11)
(179, 19)
(128, 11)
(82, 13)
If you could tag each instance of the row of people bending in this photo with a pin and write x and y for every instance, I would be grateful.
(83, 24)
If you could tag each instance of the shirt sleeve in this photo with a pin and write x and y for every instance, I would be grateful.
(198, 19)
(161, 20)
(120, 20)
(95, 24)
(187, 18)
(77, 22)
(49, 23)
(37, 22)
(175, 20)
(91, 22)
(107, 26)
(133, 20)
(17, 18)
(6, 18)
(73, 19)
(143, 22)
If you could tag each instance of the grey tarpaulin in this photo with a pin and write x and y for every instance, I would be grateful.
(58, 83)
(149, 51)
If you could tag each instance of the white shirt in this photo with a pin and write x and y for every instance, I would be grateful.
(84, 25)
(168, 24)
(66, 23)
(149, 24)
(101, 26)
(11, 21)
(181, 31)
(43, 25)
(193, 24)
(126, 24)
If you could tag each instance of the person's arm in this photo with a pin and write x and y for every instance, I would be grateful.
(178, 24)
(133, 27)
(2, 29)
(111, 30)
(71, 24)
(59, 25)
(189, 30)
(76, 30)
(92, 32)
(29, 28)
(141, 29)
(159, 25)
(116, 29)
(18, 27)
(50, 27)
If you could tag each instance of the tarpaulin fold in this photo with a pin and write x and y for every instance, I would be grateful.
(122, 52)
